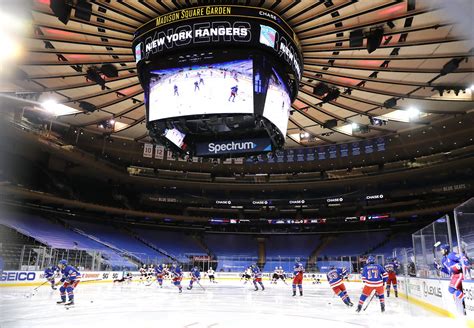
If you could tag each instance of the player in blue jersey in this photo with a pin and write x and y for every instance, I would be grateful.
(374, 277)
(257, 277)
(298, 271)
(70, 279)
(195, 277)
(335, 278)
(160, 272)
(177, 275)
(391, 268)
(233, 92)
(452, 264)
(50, 275)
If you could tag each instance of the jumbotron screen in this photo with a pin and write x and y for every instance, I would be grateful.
(218, 88)
(209, 78)
(277, 102)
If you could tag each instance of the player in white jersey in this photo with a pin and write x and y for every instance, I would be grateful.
(211, 274)
(282, 274)
(275, 276)
(149, 274)
(247, 274)
(143, 273)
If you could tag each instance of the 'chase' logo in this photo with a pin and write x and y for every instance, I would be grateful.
(18, 276)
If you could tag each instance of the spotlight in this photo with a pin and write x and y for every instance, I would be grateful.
(320, 89)
(61, 9)
(356, 38)
(93, 74)
(354, 126)
(109, 70)
(83, 10)
(87, 106)
(374, 39)
(333, 94)
(329, 124)
(472, 87)
(304, 135)
(413, 112)
(390, 103)
(450, 66)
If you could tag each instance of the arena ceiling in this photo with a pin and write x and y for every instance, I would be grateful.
(421, 72)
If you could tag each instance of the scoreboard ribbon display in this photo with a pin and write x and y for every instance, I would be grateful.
(207, 26)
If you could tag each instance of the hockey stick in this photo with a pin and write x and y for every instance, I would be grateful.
(435, 259)
(370, 300)
(35, 290)
(197, 282)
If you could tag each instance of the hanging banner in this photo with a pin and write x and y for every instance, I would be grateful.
(148, 150)
(159, 152)
(169, 156)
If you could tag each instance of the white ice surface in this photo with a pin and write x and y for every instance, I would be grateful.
(224, 304)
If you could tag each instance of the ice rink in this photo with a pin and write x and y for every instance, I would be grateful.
(224, 304)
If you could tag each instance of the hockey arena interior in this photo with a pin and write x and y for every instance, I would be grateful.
(236, 163)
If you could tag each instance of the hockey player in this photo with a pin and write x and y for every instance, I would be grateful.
(233, 92)
(247, 275)
(374, 277)
(160, 272)
(143, 273)
(275, 276)
(126, 277)
(257, 277)
(281, 274)
(195, 276)
(212, 275)
(335, 278)
(391, 268)
(452, 265)
(177, 275)
(50, 274)
(316, 280)
(70, 279)
(175, 88)
(150, 274)
(298, 271)
(196, 85)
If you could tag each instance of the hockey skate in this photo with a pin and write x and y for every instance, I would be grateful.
(359, 307)
(70, 303)
(294, 293)
(382, 307)
(396, 293)
(301, 293)
(61, 302)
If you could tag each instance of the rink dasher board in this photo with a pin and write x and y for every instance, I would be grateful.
(432, 294)
(36, 278)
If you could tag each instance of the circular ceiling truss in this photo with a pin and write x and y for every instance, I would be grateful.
(423, 61)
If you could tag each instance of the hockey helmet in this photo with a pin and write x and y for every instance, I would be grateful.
(370, 259)
(445, 249)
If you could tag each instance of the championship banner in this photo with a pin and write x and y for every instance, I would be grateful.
(148, 150)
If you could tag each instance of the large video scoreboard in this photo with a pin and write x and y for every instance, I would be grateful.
(216, 73)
